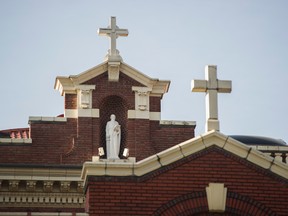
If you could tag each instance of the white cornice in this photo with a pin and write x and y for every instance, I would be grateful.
(68, 84)
(182, 150)
(15, 141)
(46, 119)
(89, 74)
(179, 123)
(47, 174)
(158, 86)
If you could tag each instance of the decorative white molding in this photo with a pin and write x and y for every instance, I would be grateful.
(159, 87)
(260, 159)
(216, 197)
(22, 199)
(213, 138)
(13, 185)
(46, 119)
(113, 71)
(67, 85)
(40, 174)
(172, 122)
(15, 141)
(64, 85)
(119, 169)
(48, 186)
(75, 113)
(141, 97)
(13, 213)
(41, 187)
(88, 113)
(170, 155)
(155, 116)
(45, 186)
(71, 113)
(237, 148)
(31, 185)
(85, 99)
(187, 148)
(84, 96)
(65, 186)
(137, 114)
(278, 157)
(271, 148)
(147, 165)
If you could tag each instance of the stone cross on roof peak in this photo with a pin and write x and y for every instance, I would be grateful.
(113, 31)
(212, 86)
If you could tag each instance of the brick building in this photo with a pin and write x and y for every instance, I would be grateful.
(54, 166)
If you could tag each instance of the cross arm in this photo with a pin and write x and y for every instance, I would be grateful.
(122, 32)
(224, 86)
(103, 31)
(198, 85)
(106, 31)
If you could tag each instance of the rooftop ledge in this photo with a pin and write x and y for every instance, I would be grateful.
(15, 141)
(180, 123)
(46, 119)
(270, 148)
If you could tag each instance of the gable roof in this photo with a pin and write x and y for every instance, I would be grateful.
(69, 84)
(180, 151)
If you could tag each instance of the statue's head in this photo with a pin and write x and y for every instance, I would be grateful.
(112, 117)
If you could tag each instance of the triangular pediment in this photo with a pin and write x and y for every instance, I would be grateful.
(69, 84)
(184, 150)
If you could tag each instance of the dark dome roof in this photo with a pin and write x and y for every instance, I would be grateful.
(259, 140)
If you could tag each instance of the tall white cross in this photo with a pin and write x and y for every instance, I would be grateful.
(113, 32)
(212, 86)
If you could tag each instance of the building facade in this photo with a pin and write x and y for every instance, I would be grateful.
(59, 165)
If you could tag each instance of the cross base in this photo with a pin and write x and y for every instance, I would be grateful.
(212, 124)
(113, 57)
(113, 71)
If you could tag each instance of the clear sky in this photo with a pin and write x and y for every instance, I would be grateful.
(170, 40)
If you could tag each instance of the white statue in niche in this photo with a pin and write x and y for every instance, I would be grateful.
(113, 138)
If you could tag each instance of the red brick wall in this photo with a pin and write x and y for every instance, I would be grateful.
(179, 189)
(70, 101)
(166, 136)
(155, 104)
(77, 140)
(139, 139)
(104, 88)
(49, 141)
(146, 138)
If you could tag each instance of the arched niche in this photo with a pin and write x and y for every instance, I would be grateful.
(195, 204)
(116, 105)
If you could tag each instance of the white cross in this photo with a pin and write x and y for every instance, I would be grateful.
(211, 85)
(113, 32)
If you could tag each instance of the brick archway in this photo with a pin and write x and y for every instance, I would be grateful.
(196, 204)
(113, 105)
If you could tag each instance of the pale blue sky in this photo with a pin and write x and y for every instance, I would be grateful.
(171, 40)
